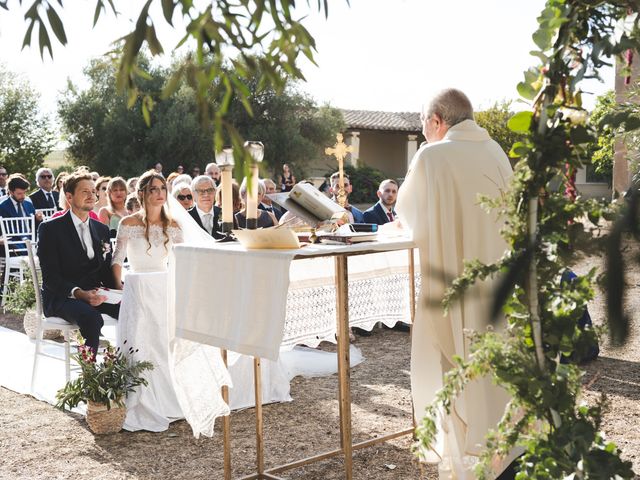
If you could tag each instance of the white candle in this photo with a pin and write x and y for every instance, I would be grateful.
(227, 195)
(252, 197)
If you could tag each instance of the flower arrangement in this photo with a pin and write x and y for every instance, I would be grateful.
(107, 382)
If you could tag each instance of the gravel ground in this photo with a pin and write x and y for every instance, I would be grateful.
(39, 442)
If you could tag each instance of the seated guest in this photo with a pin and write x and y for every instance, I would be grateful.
(205, 213)
(383, 211)
(236, 200)
(213, 171)
(355, 214)
(59, 180)
(132, 184)
(75, 258)
(182, 192)
(115, 209)
(170, 178)
(266, 204)
(16, 205)
(101, 193)
(45, 197)
(182, 178)
(4, 176)
(265, 219)
(132, 204)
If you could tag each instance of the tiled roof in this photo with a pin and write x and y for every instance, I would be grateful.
(369, 120)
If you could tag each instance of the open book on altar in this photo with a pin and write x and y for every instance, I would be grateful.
(307, 202)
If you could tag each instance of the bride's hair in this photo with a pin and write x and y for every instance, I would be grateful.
(142, 189)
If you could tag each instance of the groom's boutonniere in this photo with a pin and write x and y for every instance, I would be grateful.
(106, 249)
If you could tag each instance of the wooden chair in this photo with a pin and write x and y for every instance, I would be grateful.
(15, 231)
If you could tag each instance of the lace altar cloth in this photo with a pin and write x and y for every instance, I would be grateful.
(378, 292)
(257, 301)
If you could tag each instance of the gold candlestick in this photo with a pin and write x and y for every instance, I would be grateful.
(340, 150)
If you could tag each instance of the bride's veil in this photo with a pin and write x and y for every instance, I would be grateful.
(198, 370)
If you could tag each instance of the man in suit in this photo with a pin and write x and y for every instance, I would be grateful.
(205, 213)
(17, 205)
(4, 191)
(45, 197)
(355, 213)
(266, 203)
(75, 257)
(383, 211)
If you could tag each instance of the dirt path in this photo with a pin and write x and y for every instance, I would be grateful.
(39, 442)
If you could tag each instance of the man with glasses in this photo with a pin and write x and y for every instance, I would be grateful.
(205, 213)
(3, 182)
(45, 197)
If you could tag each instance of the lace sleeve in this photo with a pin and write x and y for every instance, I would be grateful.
(120, 252)
(176, 235)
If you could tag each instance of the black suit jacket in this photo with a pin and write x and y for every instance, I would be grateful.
(39, 200)
(217, 212)
(276, 210)
(376, 214)
(65, 264)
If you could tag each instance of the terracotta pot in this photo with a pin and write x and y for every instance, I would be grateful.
(102, 421)
(30, 324)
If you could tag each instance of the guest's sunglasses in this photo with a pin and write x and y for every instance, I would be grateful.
(185, 197)
(46, 176)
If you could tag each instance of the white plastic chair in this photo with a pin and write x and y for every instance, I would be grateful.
(14, 233)
(46, 213)
(52, 323)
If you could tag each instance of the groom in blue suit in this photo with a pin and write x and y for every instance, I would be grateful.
(383, 211)
(16, 204)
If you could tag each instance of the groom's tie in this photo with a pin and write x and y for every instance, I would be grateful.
(85, 239)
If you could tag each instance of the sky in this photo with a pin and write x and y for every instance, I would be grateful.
(388, 55)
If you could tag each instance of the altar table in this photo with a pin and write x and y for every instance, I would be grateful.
(241, 300)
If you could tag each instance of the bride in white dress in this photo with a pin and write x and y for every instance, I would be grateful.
(145, 239)
(187, 376)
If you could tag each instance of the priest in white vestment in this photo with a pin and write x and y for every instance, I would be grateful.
(438, 201)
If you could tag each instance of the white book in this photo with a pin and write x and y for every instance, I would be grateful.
(309, 203)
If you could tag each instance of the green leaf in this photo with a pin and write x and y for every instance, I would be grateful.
(56, 25)
(168, 7)
(542, 38)
(44, 41)
(98, 10)
(526, 91)
(154, 45)
(520, 122)
(27, 35)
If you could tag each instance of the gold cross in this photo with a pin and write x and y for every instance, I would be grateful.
(340, 150)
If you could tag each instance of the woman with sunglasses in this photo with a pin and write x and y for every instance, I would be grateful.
(101, 193)
(182, 192)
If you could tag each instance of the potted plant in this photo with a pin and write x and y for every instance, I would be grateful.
(21, 300)
(103, 384)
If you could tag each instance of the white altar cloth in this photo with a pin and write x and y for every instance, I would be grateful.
(238, 299)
